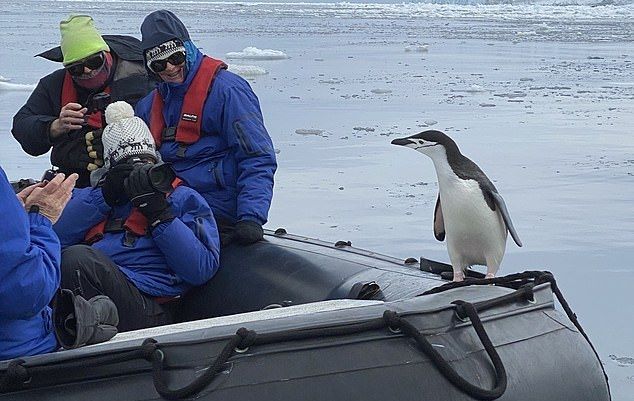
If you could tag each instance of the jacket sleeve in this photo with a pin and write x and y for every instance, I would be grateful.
(31, 123)
(190, 242)
(243, 125)
(30, 254)
(85, 209)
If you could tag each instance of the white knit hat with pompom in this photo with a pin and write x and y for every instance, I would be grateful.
(125, 135)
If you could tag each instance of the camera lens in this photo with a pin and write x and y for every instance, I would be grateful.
(161, 177)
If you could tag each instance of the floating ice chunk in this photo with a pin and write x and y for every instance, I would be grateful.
(475, 88)
(424, 48)
(6, 87)
(247, 70)
(487, 105)
(430, 122)
(367, 129)
(331, 81)
(526, 33)
(3, 79)
(254, 53)
(381, 91)
(306, 131)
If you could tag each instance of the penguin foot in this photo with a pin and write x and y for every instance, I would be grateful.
(458, 276)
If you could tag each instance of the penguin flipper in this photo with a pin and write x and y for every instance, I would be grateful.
(499, 202)
(439, 222)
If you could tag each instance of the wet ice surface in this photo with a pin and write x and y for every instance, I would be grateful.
(540, 97)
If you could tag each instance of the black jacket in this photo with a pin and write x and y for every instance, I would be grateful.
(128, 82)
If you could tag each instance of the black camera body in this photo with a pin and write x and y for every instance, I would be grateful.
(161, 175)
(48, 175)
(98, 102)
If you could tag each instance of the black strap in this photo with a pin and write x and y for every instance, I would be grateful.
(395, 323)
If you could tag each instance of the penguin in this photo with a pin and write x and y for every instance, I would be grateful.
(469, 212)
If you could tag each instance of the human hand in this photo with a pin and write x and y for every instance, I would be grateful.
(247, 232)
(112, 185)
(71, 117)
(52, 197)
(150, 202)
(23, 194)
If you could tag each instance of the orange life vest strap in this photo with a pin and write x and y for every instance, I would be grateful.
(69, 95)
(189, 125)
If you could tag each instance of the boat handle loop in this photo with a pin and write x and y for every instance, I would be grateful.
(393, 320)
(241, 340)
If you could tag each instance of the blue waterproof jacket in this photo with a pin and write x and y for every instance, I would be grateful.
(233, 163)
(29, 276)
(176, 255)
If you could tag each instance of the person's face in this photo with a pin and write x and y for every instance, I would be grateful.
(171, 69)
(87, 67)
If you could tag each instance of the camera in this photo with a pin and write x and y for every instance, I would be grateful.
(161, 175)
(98, 102)
(48, 175)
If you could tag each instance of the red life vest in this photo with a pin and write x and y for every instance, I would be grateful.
(189, 125)
(136, 223)
(69, 95)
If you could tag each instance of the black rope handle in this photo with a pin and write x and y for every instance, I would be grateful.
(241, 340)
(395, 322)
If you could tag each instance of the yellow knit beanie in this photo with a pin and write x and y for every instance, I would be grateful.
(80, 38)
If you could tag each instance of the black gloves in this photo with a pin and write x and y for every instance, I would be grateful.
(247, 232)
(94, 149)
(79, 322)
(112, 184)
(148, 200)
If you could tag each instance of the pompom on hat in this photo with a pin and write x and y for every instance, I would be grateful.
(125, 135)
(80, 39)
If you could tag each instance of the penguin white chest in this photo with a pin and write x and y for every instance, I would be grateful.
(475, 234)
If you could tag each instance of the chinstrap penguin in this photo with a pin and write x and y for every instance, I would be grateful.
(469, 211)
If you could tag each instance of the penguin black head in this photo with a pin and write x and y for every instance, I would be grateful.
(425, 141)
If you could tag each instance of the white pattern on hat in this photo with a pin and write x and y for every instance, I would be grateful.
(163, 51)
(125, 135)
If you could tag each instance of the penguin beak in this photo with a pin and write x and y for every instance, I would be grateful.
(402, 142)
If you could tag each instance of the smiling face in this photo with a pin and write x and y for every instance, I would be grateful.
(173, 73)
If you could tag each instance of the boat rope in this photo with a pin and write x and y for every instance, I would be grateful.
(523, 283)
(244, 339)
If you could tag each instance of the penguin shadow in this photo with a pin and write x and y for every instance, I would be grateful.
(470, 214)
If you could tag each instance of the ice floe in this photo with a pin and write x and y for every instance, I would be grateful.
(6, 87)
(253, 53)
(247, 70)
(424, 48)
(308, 131)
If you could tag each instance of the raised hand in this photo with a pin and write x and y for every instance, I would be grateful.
(71, 117)
(50, 198)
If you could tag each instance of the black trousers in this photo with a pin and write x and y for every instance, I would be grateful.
(89, 272)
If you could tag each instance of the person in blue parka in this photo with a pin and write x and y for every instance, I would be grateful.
(137, 236)
(210, 127)
(30, 268)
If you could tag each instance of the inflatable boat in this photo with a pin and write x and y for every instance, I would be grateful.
(292, 318)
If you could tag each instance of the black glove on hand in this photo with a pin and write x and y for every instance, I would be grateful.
(143, 196)
(94, 149)
(247, 232)
(112, 184)
(79, 322)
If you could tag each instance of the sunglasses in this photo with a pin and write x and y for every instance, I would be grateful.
(177, 58)
(93, 62)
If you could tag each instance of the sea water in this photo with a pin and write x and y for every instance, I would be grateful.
(540, 94)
